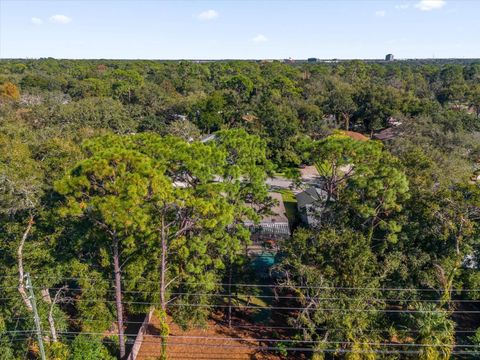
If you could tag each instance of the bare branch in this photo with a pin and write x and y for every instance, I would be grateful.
(21, 276)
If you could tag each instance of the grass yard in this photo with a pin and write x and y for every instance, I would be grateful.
(287, 173)
(290, 202)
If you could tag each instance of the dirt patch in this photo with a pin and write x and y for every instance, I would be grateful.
(216, 341)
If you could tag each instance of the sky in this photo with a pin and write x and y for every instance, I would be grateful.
(268, 29)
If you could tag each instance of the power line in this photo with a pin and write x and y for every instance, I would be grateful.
(299, 349)
(143, 281)
(291, 349)
(268, 327)
(277, 340)
(239, 297)
(296, 349)
(290, 308)
(155, 340)
(286, 297)
(273, 327)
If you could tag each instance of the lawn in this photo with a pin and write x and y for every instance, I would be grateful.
(290, 202)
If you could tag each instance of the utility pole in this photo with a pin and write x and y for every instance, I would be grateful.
(28, 282)
(230, 295)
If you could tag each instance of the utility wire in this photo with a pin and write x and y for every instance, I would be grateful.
(290, 308)
(301, 349)
(267, 327)
(241, 296)
(143, 281)
(277, 340)
(287, 297)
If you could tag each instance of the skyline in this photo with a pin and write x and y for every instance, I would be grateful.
(209, 30)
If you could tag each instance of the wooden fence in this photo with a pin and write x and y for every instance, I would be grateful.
(139, 339)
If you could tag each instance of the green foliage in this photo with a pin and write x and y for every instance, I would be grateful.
(87, 347)
(183, 129)
(9, 91)
(364, 182)
(434, 328)
(20, 175)
(318, 262)
(104, 113)
(130, 187)
(57, 351)
(402, 214)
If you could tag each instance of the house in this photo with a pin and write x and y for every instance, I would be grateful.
(208, 138)
(390, 132)
(310, 203)
(391, 121)
(249, 118)
(179, 117)
(354, 135)
(271, 228)
(389, 57)
(385, 134)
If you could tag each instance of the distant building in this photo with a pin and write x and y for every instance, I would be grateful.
(249, 118)
(391, 121)
(208, 138)
(354, 135)
(385, 134)
(390, 132)
(389, 57)
(312, 60)
(179, 117)
(311, 203)
(271, 228)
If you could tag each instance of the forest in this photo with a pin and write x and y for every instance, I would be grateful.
(112, 204)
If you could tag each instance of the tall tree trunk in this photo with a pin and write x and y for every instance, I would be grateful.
(370, 231)
(230, 295)
(163, 268)
(164, 332)
(118, 297)
(347, 121)
(51, 321)
(21, 282)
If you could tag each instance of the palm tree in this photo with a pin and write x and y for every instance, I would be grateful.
(436, 332)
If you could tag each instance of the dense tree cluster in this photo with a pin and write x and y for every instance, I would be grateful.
(107, 192)
(280, 102)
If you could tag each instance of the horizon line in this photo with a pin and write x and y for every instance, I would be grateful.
(242, 59)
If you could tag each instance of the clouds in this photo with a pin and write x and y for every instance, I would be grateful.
(55, 19)
(380, 13)
(423, 5)
(260, 38)
(60, 19)
(207, 15)
(36, 21)
(428, 5)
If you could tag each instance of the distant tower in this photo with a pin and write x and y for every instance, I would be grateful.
(389, 57)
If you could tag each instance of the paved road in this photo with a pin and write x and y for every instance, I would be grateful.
(278, 183)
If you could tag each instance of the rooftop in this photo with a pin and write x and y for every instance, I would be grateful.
(279, 214)
(310, 196)
(355, 135)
